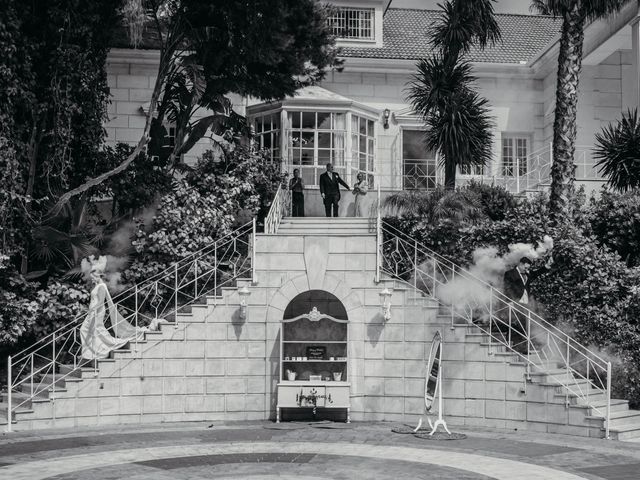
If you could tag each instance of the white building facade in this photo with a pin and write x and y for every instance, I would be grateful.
(359, 118)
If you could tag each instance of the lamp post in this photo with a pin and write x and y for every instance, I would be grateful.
(243, 293)
(385, 303)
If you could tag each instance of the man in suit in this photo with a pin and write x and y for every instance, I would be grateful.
(330, 190)
(516, 286)
(516, 281)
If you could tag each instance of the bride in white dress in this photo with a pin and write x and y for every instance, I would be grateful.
(96, 340)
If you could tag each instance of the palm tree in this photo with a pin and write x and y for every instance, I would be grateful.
(575, 15)
(462, 206)
(457, 119)
(618, 152)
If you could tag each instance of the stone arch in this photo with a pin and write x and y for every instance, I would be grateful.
(300, 284)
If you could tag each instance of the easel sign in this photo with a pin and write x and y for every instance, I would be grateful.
(433, 385)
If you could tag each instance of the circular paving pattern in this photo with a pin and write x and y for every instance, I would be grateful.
(368, 451)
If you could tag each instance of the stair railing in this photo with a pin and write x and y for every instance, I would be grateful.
(37, 370)
(280, 208)
(543, 347)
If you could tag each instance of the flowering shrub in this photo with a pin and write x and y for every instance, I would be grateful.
(217, 196)
(28, 310)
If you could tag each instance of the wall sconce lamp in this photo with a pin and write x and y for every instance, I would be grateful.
(243, 293)
(385, 118)
(385, 303)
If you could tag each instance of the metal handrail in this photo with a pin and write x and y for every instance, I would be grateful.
(37, 368)
(280, 208)
(584, 373)
(129, 291)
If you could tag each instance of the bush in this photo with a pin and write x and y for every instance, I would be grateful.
(496, 201)
(29, 310)
(615, 222)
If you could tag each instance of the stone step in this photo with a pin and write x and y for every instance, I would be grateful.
(326, 220)
(4, 415)
(69, 371)
(617, 405)
(625, 431)
(345, 231)
(24, 400)
(621, 417)
(44, 381)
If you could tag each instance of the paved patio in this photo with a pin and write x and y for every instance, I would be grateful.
(303, 451)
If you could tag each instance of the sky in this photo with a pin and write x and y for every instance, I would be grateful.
(502, 6)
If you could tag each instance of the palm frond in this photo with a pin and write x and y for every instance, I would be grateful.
(435, 206)
(463, 24)
(542, 7)
(591, 9)
(618, 152)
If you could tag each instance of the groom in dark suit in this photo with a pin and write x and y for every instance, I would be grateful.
(516, 286)
(517, 280)
(330, 190)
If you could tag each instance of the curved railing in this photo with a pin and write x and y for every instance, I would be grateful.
(542, 346)
(280, 208)
(37, 370)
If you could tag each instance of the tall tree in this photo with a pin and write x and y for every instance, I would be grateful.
(575, 15)
(52, 106)
(457, 118)
(210, 48)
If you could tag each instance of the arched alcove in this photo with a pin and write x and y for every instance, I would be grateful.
(325, 302)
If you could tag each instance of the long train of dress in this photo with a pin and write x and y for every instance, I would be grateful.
(96, 340)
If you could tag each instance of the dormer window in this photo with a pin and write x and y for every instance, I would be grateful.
(353, 23)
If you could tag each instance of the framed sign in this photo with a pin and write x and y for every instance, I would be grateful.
(317, 353)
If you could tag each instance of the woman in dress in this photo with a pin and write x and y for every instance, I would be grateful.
(359, 191)
(96, 340)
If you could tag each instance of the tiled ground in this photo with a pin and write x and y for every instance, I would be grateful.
(306, 452)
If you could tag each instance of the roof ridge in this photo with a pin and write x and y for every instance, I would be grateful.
(500, 14)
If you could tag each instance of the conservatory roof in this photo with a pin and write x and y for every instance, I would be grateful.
(315, 96)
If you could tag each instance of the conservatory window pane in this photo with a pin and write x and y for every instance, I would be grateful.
(324, 121)
(324, 140)
(294, 119)
(307, 157)
(308, 139)
(324, 156)
(308, 120)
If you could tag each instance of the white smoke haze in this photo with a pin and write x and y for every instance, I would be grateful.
(466, 293)
(111, 274)
(120, 240)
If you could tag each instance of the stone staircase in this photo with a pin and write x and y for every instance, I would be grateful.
(207, 363)
(535, 396)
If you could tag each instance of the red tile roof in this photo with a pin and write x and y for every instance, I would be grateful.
(406, 37)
